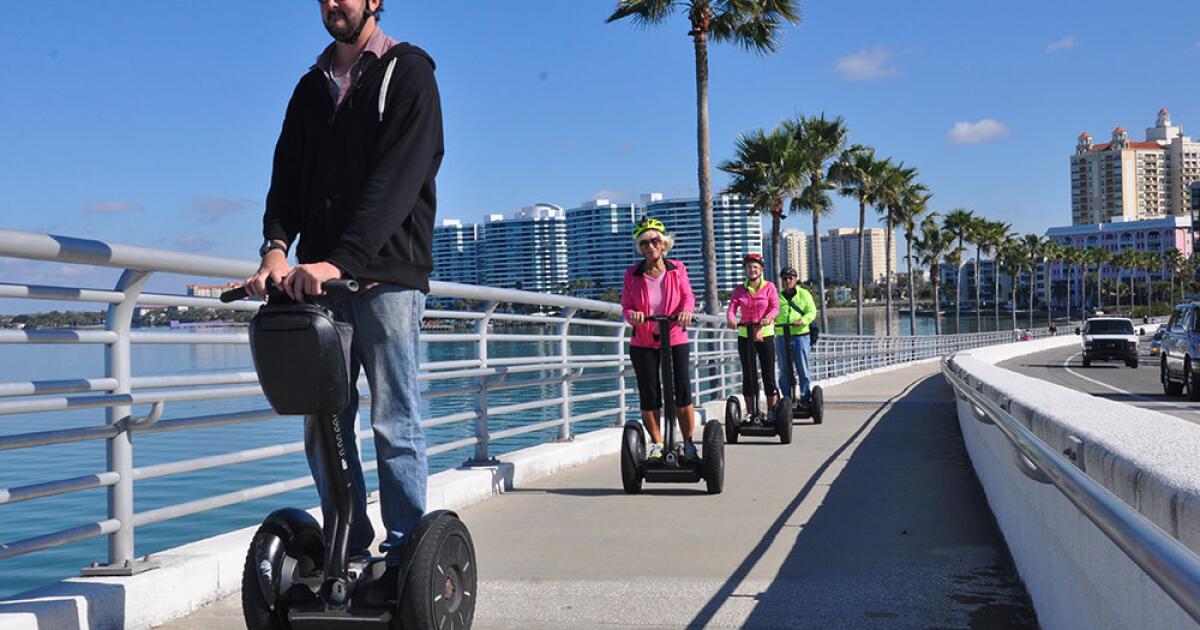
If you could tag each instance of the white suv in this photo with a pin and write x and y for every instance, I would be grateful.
(1110, 338)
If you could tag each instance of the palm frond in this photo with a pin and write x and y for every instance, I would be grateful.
(643, 12)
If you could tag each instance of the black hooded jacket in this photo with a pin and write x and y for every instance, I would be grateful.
(357, 186)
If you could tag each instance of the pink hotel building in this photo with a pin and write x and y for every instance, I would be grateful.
(1149, 235)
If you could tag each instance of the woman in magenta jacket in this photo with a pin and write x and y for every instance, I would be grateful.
(657, 286)
(756, 301)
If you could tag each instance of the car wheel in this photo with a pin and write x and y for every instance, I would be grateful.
(1189, 382)
(1087, 361)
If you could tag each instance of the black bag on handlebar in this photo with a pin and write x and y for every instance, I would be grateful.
(814, 333)
(302, 357)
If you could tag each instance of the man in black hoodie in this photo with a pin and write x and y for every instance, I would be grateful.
(353, 178)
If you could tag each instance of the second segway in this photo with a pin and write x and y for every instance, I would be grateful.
(299, 575)
(812, 407)
(755, 422)
(673, 467)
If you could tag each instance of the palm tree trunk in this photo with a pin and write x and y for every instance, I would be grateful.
(887, 248)
(775, 247)
(1032, 292)
(1149, 295)
(1070, 277)
(1099, 295)
(958, 301)
(978, 302)
(820, 271)
(708, 243)
(937, 311)
(1046, 277)
(996, 289)
(1014, 299)
(862, 260)
(912, 288)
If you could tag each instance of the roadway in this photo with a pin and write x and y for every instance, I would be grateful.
(1107, 379)
(873, 519)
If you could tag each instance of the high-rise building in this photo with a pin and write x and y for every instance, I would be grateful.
(1130, 181)
(454, 258)
(600, 246)
(839, 256)
(526, 249)
(795, 253)
(738, 232)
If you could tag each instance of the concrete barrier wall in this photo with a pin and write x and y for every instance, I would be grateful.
(1076, 576)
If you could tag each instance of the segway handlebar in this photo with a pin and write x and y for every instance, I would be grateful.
(332, 288)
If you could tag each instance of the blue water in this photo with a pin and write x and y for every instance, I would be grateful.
(40, 516)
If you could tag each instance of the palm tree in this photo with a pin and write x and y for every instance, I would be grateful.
(1073, 256)
(858, 173)
(995, 234)
(912, 210)
(1098, 257)
(753, 25)
(816, 200)
(767, 171)
(1051, 253)
(1150, 261)
(820, 140)
(1120, 260)
(1014, 259)
(932, 247)
(896, 182)
(1033, 246)
(1173, 262)
(959, 222)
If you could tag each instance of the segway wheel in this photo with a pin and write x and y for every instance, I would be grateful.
(733, 417)
(633, 457)
(289, 540)
(816, 405)
(783, 420)
(440, 589)
(714, 457)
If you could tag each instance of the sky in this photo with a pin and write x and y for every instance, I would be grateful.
(153, 123)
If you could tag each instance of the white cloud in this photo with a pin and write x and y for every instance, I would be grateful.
(867, 64)
(977, 132)
(213, 208)
(193, 243)
(113, 207)
(1065, 43)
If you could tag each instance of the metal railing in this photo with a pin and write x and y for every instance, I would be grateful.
(485, 318)
(1164, 559)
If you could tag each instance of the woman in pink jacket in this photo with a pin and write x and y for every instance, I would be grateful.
(657, 286)
(756, 301)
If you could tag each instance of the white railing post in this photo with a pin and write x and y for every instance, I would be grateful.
(482, 432)
(117, 359)
(564, 355)
(621, 397)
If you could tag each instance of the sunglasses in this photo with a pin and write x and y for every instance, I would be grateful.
(655, 241)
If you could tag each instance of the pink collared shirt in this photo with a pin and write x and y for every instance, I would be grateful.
(377, 44)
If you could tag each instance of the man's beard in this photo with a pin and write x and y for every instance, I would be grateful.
(346, 34)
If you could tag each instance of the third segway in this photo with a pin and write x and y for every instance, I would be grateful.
(672, 468)
(814, 406)
(756, 422)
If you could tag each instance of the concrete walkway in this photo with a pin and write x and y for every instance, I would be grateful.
(872, 520)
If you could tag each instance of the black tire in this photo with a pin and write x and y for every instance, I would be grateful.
(1190, 384)
(633, 457)
(440, 590)
(783, 420)
(1170, 388)
(288, 532)
(1133, 364)
(714, 457)
(1087, 361)
(816, 405)
(733, 417)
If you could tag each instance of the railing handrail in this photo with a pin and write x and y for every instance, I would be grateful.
(1168, 562)
(715, 374)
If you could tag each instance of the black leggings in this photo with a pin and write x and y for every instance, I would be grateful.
(646, 367)
(766, 358)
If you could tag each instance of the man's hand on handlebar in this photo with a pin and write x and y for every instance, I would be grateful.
(306, 279)
(274, 268)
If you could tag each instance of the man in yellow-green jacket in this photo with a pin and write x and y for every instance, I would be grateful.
(796, 311)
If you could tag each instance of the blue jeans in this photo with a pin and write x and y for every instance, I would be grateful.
(387, 321)
(799, 363)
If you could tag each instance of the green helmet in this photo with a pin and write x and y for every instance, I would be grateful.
(648, 223)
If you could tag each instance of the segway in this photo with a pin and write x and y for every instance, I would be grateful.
(756, 422)
(814, 407)
(672, 468)
(298, 575)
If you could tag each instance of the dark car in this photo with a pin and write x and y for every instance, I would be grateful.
(1181, 351)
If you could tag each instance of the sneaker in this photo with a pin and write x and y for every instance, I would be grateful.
(655, 452)
(689, 452)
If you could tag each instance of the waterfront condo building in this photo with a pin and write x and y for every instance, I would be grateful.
(526, 249)
(454, 258)
(839, 256)
(600, 246)
(1130, 181)
(738, 232)
(795, 247)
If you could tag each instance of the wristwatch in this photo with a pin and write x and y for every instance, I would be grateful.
(268, 245)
